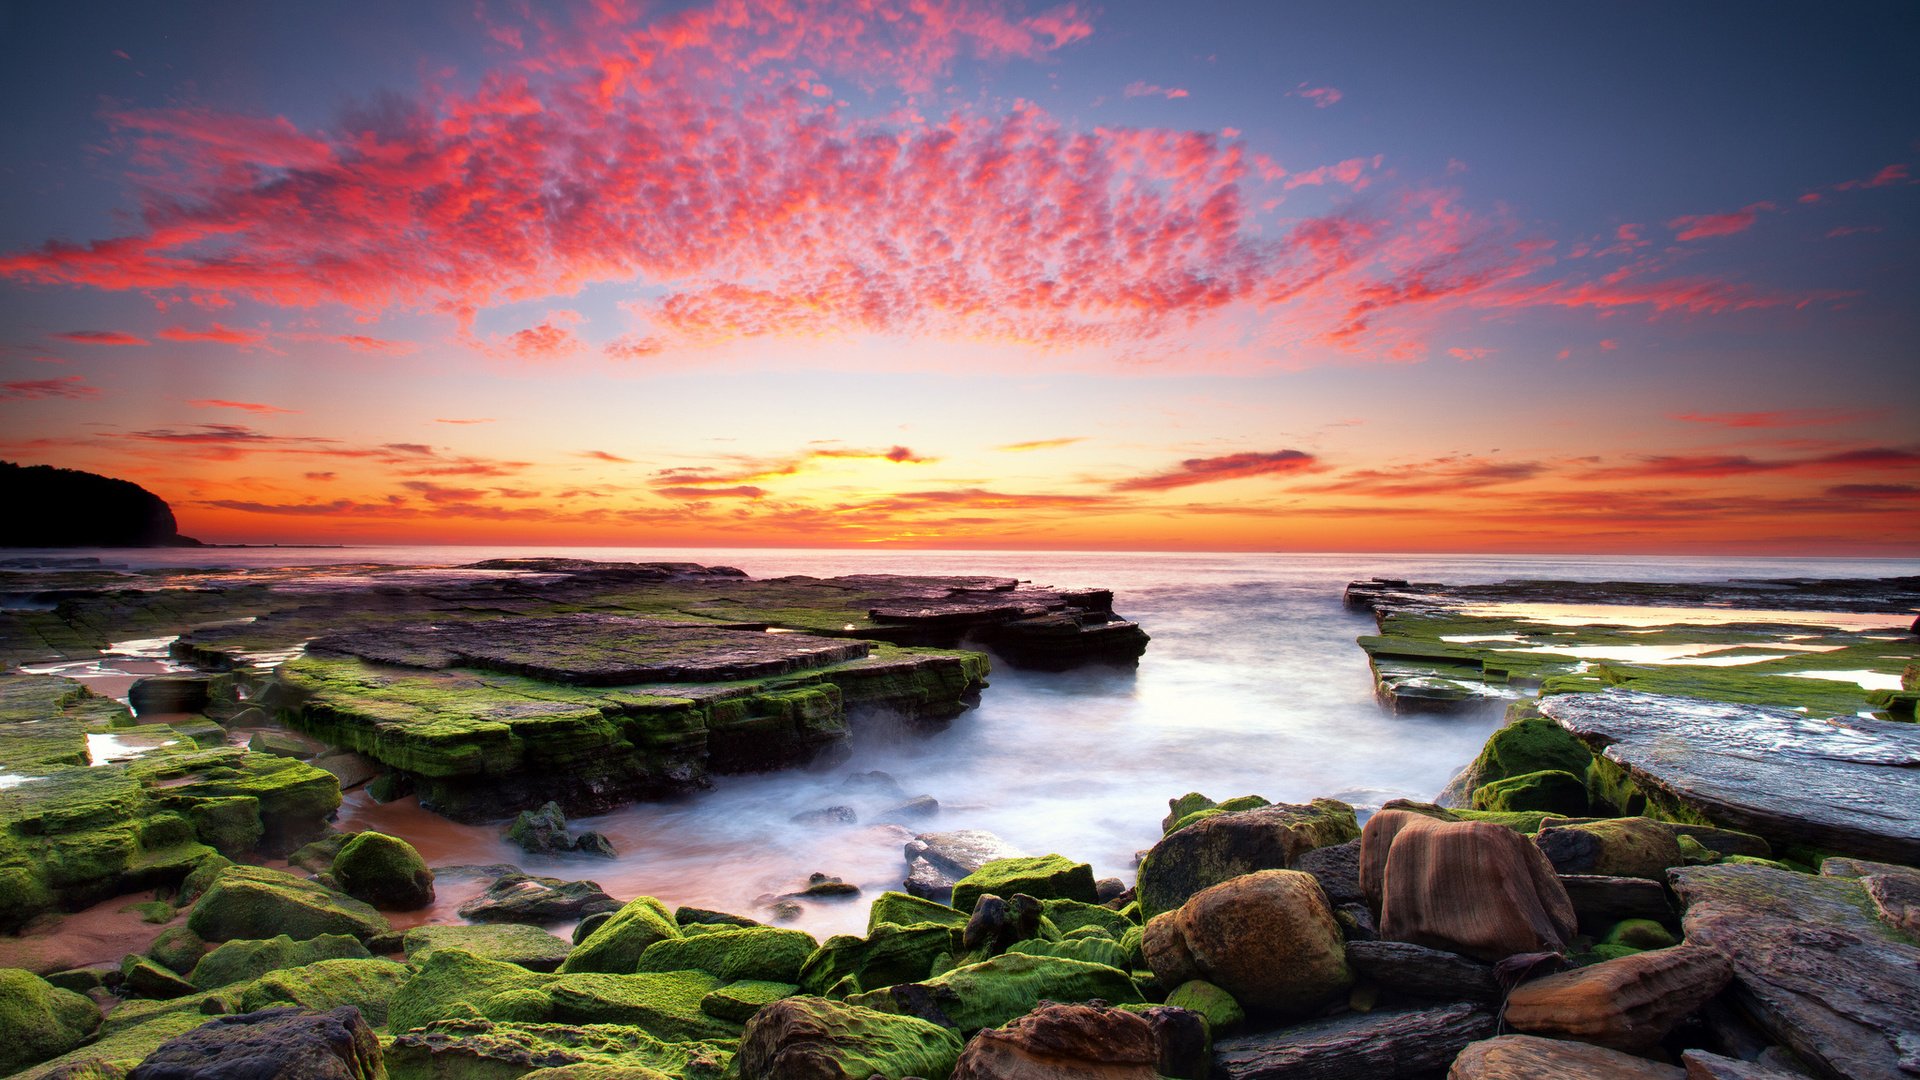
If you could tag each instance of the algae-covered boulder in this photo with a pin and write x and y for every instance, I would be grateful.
(1550, 790)
(890, 954)
(367, 985)
(384, 871)
(903, 910)
(1224, 846)
(1530, 743)
(472, 1048)
(1044, 877)
(523, 898)
(1068, 916)
(619, 942)
(1091, 950)
(1267, 938)
(142, 978)
(255, 902)
(762, 953)
(1056, 1041)
(738, 1001)
(279, 1043)
(452, 983)
(1223, 1013)
(528, 946)
(811, 1038)
(177, 949)
(995, 991)
(245, 960)
(39, 1020)
(1622, 847)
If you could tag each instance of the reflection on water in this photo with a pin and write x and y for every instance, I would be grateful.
(1651, 615)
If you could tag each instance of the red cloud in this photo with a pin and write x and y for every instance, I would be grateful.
(1723, 465)
(67, 386)
(543, 342)
(1701, 226)
(1438, 477)
(224, 335)
(602, 455)
(1351, 172)
(247, 406)
(1231, 467)
(97, 337)
(1472, 353)
(1778, 418)
(741, 491)
(1143, 89)
(1321, 96)
(1886, 177)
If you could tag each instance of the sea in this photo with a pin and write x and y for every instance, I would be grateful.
(1253, 684)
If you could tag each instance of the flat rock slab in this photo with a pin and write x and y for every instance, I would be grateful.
(597, 650)
(1356, 1046)
(1813, 964)
(1847, 785)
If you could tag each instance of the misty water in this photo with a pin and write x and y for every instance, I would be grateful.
(1252, 685)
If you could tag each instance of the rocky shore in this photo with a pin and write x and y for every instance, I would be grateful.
(1650, 870)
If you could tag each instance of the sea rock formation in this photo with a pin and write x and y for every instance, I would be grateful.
(70, 508)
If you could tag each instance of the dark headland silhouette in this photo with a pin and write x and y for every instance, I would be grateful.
(49, 507)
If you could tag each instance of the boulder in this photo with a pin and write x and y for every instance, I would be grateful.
(1620, 847)
(1894, 890)
(1045, 877)
(1417, 971)
(1337, 868)
(142, 978)
(528, 899)
(40, 1020)
(177, 949)
(1222, 1013)
(996, 924)
(1701, 1065)
(759, 953)
(1184, 1041)
(1469, 887)
(995, 991)
(451, 983)
(617, 945)
(1642, 934)
(1268, 938)
(1600, 901)
(1227, 845)
(1526, 1057)
(1813, 964)
(384, 871)
(811, 1038)
(1629, 1003)
(889, 954)
(273, 1044)
(738, 1001)
(512, 943)
(1064, 1042)
(1356, 1046)
(170, 694)
(918, 808)
(1550, 790)
(544, 832)
(936, 860)
(367, 985)
(904, 910)
(246, 960)
(255, 902)
(1847, 785)
(483, 1049)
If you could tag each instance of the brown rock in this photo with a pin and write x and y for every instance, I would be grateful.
(1357, 1046)
(1185, 1044)
(1628, 1003)
(1894, 889)
(1704, 1066)
(1600, 901)
(1225, 846)
(1523, 1057)
(1470, 887)
(1620, 847)
(1267, 938)
(1064, 1042)
(1417, 971)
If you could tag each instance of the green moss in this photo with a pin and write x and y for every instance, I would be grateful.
(477, 1049)
(1755, 860)
(1695, 853)
(665, 1005)
(1550, 791)
(123, 1047)
(901, 909)
(890, 954)
(1045, 877)
(1072, 915)
(849, 1041)
(142, 978)
(177, 949)
(1610, 788)
(529, 947)
(1223, 1013)
(1091, 950)
(1642, 934)
(156, 912)
(1181, 807)
(991, 993)
(384, 871)
(366, 984)
(617, 944)
(255, 902)
(738, 1001)
(40, 1020)
(761, 953)
(246, 960)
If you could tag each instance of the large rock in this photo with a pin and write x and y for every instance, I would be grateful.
(810, 1038)
(1620, 847)
(937, 860)
(758, 953)
(512, 943)
(367, 985)
(272, 1044)
(384, 871)
(1222, 846)
(995, 991)
(1268, 938)
(616, 946)
(1701, 1065)
(1526, 1057)
(1356, 1046)
(1470, 887)
(1600, 901)
(889, 954)
(39, 1020)
(255, 902)
(1894, 890)
(1628, 1003)
(528, 899)
(459, 1049)
(454, 983)
(248, 959)
(1064, 1042)
(1417, 971)
(1849, 785)
(1813, 964)
(1044, 877)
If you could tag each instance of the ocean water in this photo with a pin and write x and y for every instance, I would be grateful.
(1252, 685)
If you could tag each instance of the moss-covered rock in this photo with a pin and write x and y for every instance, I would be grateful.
(1619, 847)
(992, 992)
(1091, 950)
(511, 943)
(472, 1048)
(738, 1001)
(255, 902)
(246, 960)
(1223, 1013)
(762, 953)
(177, 949)
(1529, 744)
(1552, 791)
(116, 1049)
(1228, 845)
(1043, 877)
(1068, 916)
(890, 954)
(40, 1020)
(142, 978)
(367, 985)
(901, 909)
(1643, 934)
(665, 1005)
(384, 871)
(616, 946)
(815, 1037)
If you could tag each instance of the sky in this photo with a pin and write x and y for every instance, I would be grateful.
(1505, 277)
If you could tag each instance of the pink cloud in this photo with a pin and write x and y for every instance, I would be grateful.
(1474, 353)
(72, 387)
(223, 335)
(544, 342)
(1886, 177)
(100, 337)
(245, 406)
(1230, 467)
(1144, 89)
(1778, 418)
(1702, 226)
(1321, 96)
(1351, 172)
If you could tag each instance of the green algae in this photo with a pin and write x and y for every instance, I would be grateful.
(384, 871)
(256, 902)
(40, 1020)
(1551, 791)
(365, 984)
(902, 909)
(990, 993)
(839, 1039)
(617, 944)
(762, 954)
(1044, 877)
(529, 947)
(889, 954)
(738, 1001)
(245, 960)
(474, 1048)
(1223, 1013)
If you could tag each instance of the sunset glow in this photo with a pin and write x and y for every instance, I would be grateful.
(971, 274)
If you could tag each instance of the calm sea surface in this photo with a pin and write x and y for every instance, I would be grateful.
(1253, 684)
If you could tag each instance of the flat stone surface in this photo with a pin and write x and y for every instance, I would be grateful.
(1356, 1046)
(1851, 786)
(1813, 964)
(1418, 971)
(960, 852)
